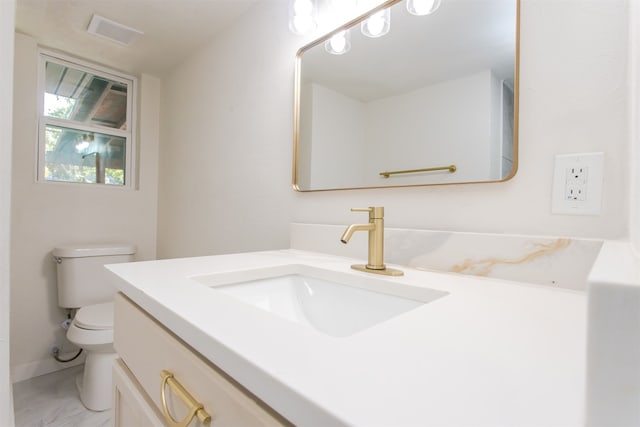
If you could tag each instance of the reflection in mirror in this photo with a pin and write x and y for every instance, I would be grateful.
(437, 92)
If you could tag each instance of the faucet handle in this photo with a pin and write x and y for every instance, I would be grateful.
(375, 212)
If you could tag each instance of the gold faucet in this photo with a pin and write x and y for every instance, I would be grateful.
(375, 227)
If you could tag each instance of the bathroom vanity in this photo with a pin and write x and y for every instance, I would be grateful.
(149, 348)
(472, 351)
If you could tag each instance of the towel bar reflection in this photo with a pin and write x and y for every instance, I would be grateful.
(450, 168)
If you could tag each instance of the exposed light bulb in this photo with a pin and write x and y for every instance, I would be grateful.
(375, 24)
(302, 24)
(339, 43)
(81, 146)
(302, 16)
(378, 24)
(302, 7)
(422, 7)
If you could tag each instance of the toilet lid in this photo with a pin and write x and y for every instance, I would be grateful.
(96, 317)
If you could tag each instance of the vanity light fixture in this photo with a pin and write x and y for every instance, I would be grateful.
(302, 16)
(303, 19)
(422, 7)
(339, 43)
(378, 24)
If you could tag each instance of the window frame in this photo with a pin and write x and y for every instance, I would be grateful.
(46, 55)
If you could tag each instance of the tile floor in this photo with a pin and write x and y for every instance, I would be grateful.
(52, 400)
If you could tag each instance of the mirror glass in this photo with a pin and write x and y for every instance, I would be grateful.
(437, 91)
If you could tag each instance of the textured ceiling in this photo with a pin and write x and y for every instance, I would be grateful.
(172, 29)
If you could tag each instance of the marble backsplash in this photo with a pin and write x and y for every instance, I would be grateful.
(552, 261)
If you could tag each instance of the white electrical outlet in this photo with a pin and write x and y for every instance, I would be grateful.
(577, 184)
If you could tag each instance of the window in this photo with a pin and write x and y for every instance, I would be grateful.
(86, 123)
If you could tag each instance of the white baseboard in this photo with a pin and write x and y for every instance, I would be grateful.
(42, 367)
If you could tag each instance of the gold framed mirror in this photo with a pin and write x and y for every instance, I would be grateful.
(434, 101)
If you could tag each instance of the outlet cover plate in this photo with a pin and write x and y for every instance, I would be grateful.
(577, 184)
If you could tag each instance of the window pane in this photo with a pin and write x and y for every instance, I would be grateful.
(58, 106)
(81, 96)
(76, 156)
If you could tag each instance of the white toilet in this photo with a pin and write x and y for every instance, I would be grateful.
(84, 284)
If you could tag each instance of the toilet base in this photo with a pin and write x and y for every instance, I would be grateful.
(94, 384)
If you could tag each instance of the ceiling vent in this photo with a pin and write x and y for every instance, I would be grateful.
(112, 30)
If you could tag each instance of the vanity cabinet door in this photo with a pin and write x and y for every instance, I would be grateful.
(131, 405)
(149, 350)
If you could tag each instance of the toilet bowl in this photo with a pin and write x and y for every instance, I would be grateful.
(92, 330)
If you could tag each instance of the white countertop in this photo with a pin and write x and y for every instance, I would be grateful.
(491, 353)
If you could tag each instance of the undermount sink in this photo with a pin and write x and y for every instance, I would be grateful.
(334, 303)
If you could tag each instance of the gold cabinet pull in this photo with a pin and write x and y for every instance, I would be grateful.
(196, 408)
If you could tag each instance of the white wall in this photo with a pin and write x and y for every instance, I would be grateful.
(226, 148)
(225, 157)
(337, 139)
(7, 17)
(354, 141)
(438, 125)
(634, 125)
(51, 214)
(303, 173)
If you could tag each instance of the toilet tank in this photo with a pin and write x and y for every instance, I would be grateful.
(82, 278)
